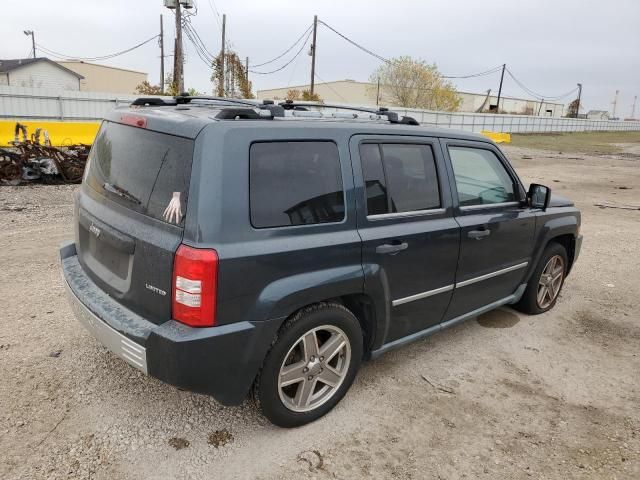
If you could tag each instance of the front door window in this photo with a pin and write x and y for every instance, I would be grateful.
(481, 179)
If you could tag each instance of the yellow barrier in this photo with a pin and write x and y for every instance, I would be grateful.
(497, 137)
(60, 133)
(69, 133)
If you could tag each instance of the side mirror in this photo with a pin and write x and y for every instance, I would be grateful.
(539, 196)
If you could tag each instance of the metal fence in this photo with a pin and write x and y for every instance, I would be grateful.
(41, 104)
(477, 122)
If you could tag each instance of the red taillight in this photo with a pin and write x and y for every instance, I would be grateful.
(195, 284)
(134, 121)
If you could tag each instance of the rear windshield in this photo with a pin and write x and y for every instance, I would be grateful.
(142, 170)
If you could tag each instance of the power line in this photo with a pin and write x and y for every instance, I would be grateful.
(102, 57)
(355, 44)
(285, 52)
(216, 14)
(201, 50)
(326, 84)
(304, 44)
(537, 95)
(202, 54)
(473, 75)
(190, 26)
(385, 60)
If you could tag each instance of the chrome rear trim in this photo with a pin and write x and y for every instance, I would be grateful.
(131, 352)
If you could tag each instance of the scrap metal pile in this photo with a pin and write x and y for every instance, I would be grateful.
(29, 159)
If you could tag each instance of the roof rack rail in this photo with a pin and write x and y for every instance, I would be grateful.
(382, 111)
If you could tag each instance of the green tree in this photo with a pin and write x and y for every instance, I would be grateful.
(412, 83)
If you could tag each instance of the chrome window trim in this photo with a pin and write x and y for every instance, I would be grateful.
(419, 296)
(489, 205)
(413, 213)
(492, 274)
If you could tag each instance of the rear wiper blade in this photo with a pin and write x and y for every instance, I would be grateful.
(121, 192)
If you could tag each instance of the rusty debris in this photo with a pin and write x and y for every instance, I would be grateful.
(34, 159)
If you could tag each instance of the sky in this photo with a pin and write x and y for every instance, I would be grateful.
(548, 45)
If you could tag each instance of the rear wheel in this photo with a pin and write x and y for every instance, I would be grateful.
(311, 365)
(546, 282)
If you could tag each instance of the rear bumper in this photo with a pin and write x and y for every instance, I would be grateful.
(219, 361)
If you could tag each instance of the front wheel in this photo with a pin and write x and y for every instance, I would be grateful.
(546, 282)
(311, 365)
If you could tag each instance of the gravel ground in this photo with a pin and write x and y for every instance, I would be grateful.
(503, 396)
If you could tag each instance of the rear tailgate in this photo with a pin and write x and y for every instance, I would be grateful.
(130, 215)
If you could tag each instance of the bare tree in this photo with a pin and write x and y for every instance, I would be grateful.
(145, 88)
(572, 109)
(236, 81)
(411, 83)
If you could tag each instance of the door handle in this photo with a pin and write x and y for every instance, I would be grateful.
(479, 234)
(391, 248)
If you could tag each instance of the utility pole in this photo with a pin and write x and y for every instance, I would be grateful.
(33, 40)
(313, 53)
(161, 56)
(579, 97)
(615, 103)
(540, 108)
(378, 93)
(246, 68)
(222, 53)
(633, 108)
(178, 76)
(504, 66)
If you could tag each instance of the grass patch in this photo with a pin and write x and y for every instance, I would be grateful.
(583, 142)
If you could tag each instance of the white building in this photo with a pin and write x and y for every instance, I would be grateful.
(38, 73)
(367, 94)
(598, 115)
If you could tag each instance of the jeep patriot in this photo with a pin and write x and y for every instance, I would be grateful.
(232, 247)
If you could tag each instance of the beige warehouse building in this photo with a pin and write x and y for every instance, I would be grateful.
(365, 94)
(103, 78)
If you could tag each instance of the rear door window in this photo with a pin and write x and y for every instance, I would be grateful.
(142, 170)
(399, 177)
(295, 183)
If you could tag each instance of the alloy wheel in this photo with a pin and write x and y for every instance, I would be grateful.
(314, 368)
(550, 281)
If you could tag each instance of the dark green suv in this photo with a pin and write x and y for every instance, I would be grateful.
(226, 246)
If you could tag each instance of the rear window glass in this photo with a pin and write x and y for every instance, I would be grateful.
(145, 171)
(295, 183)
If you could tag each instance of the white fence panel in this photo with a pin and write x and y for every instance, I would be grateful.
(35, 103)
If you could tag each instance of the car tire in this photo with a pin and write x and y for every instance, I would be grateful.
(546, 282)
(311, 365)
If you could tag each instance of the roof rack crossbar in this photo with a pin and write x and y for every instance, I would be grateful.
(189, 98)
(276, 110)
(153, 101)
(392, 117)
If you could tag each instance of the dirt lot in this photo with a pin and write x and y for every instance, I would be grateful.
(509, 396)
